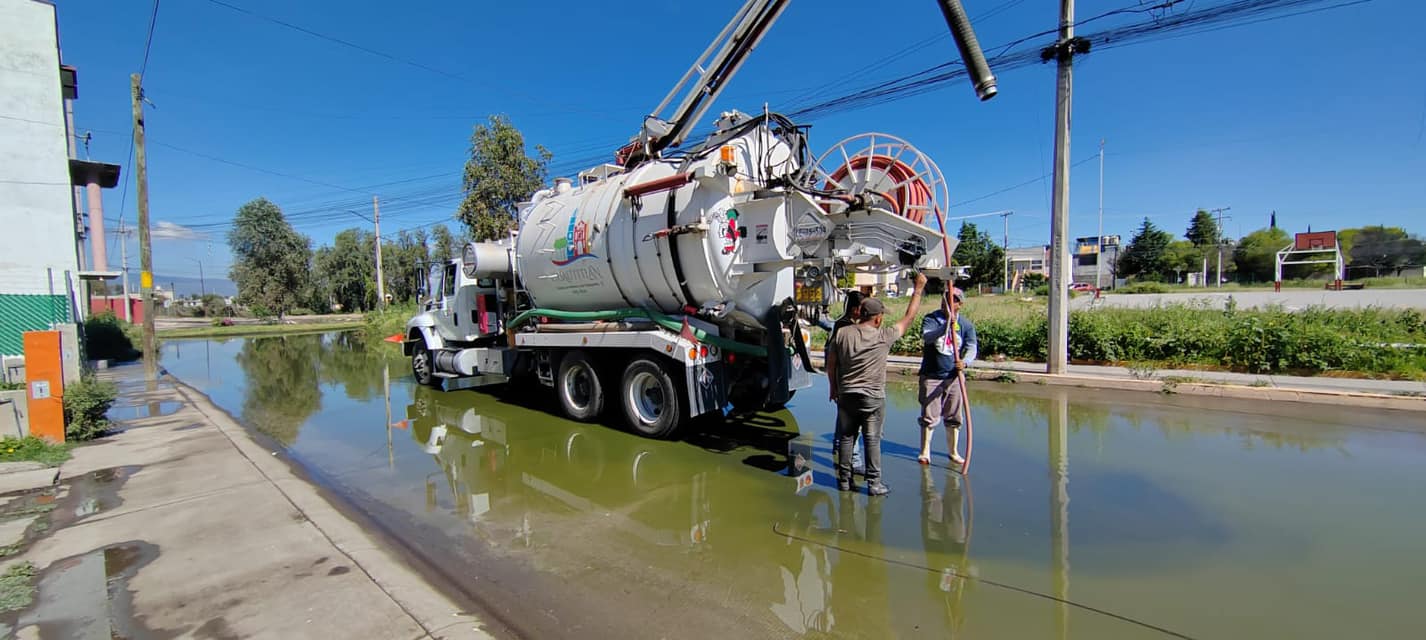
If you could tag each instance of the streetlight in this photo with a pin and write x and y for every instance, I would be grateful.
(202, 283)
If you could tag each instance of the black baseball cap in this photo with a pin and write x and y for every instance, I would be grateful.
(872, 307)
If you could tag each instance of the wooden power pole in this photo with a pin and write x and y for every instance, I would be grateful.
(141, 176)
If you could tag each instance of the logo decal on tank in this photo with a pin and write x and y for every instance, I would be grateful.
(576, 243)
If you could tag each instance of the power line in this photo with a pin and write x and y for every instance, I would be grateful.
(1194, 20)
(381, 54)
(336, 40)
(1018, 185)
(148, 40)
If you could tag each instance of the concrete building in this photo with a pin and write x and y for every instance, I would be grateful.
(1087, 255)
(42, 258)
(1027, 260)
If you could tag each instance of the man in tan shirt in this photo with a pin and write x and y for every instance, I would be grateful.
(856, 373)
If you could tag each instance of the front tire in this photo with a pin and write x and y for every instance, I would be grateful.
(653, 401)
(422, 365)
(580, 391)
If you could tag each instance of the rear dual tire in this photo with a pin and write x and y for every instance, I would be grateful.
(651, 398)
(654, 405)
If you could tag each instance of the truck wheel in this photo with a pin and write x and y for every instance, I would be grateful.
(579, 389)
(653, 402)
(422, 366)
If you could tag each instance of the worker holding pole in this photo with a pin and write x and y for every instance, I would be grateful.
(948, 346)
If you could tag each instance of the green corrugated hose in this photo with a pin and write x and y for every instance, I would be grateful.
(667, 322)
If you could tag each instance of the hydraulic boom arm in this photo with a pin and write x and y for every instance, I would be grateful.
(712, 71)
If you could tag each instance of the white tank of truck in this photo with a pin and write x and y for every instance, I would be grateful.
(667, 235)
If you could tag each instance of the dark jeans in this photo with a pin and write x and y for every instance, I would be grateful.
(859, 415)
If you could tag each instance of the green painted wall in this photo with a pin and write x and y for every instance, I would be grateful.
(20, 313)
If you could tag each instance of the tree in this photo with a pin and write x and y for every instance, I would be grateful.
(400, 259)
(1203, 230)
(499, 176)
(346, 270)
(1145, 254)
(1256, 254)
(1384, 248)
(985, 258)
(443, 245)
(1181, 256)
(271, 261)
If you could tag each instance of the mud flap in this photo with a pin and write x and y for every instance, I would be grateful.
(779, 363)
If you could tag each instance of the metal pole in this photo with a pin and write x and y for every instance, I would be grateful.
(141, 176)
(202, 282)
(1005, 254)
(1099, 242)
(1059, 215)
(376, 220)
(124, 265)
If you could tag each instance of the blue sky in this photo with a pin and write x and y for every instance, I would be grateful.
(1320, 117)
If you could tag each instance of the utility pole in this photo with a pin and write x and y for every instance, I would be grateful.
(1005, 252)
(1099, 242)
(202, 283)
(1220, 211)
(124, 265)
(376, 220)
(1063, 51)
(141, 176)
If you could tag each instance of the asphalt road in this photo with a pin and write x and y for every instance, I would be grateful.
(1290, 299)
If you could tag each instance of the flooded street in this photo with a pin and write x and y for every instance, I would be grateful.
(1087, 514)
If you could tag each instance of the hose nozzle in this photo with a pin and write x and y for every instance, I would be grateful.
(981, 77)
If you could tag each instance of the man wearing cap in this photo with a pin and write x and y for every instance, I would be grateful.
(850, 314)
(856, 372)
(944, 333)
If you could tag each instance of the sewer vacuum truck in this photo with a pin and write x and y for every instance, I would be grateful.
(667, 285)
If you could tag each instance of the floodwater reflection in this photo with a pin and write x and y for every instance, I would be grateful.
(1201, 517)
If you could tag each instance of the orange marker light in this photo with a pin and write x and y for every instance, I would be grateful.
(726, 154)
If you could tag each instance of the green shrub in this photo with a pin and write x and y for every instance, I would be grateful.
(1144, 287)
(1313, 340)
(108, 338)
(11, 386)
(1041, 290)
(85, 404)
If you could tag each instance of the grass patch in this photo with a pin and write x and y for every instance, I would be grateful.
(17, 589)
(390, 321)
(260, 329)
(34, 449)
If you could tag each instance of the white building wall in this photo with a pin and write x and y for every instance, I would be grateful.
(36, 211)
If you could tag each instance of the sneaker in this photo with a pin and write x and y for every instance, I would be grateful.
(877, 489)
(957, 460)
(846, 486)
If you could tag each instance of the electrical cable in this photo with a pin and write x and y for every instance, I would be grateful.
(776, 529)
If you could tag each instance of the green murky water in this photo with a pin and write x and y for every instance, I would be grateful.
(1088, 514)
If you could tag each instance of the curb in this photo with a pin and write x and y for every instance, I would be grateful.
(1172, 385)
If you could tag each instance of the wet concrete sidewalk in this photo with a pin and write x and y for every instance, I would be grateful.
(184, 525)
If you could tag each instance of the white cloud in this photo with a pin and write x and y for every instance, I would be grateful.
(170, 231)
